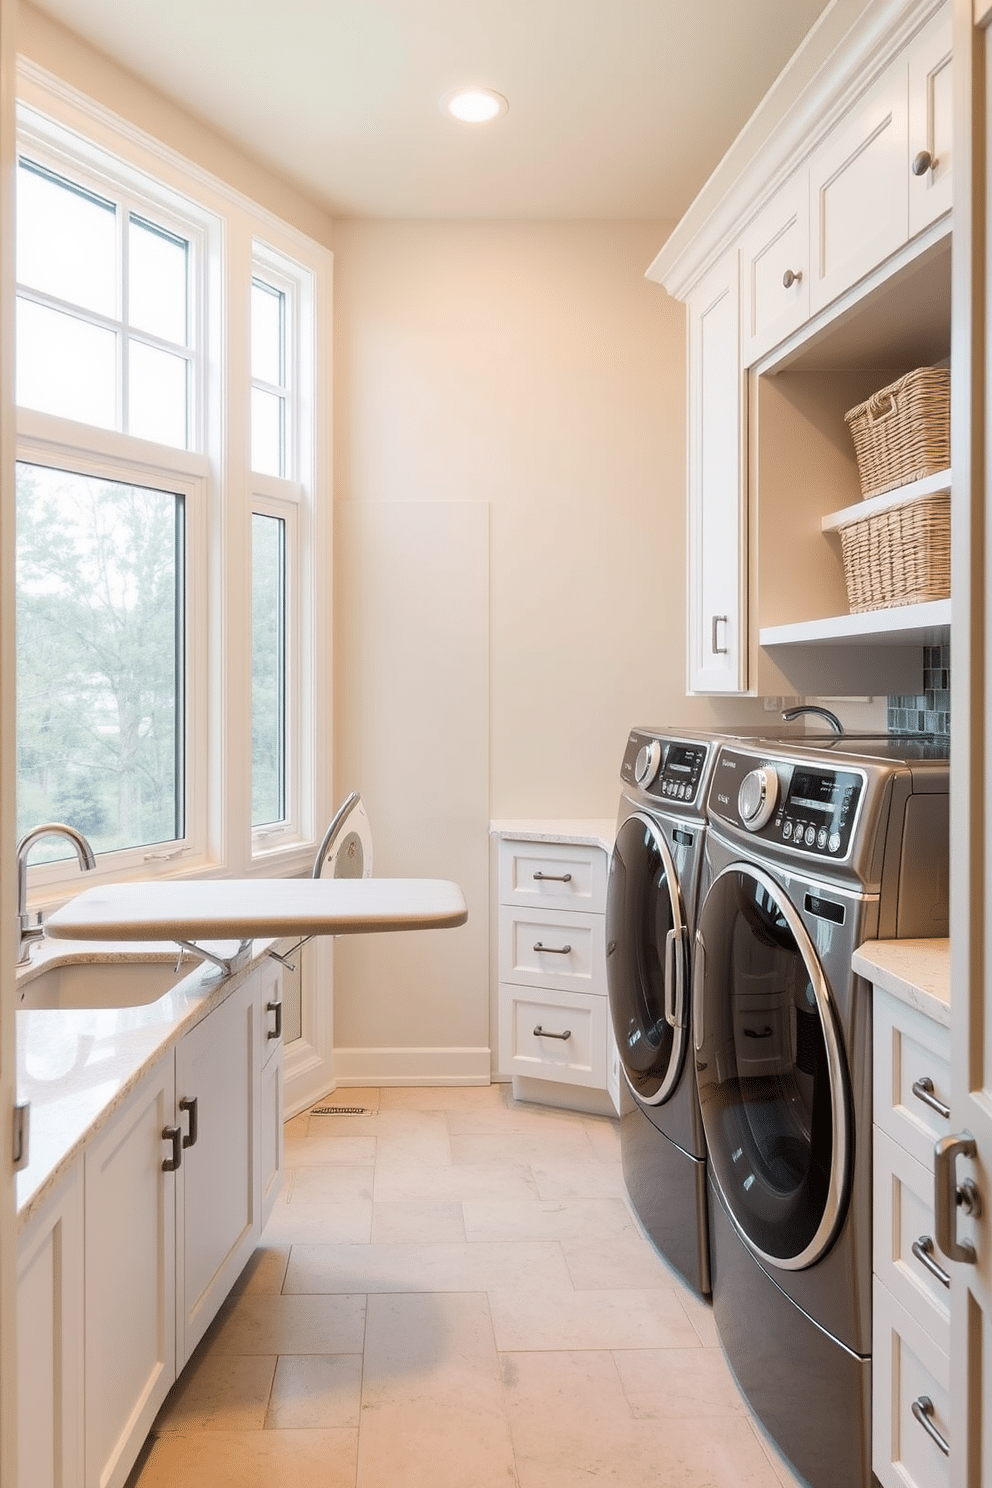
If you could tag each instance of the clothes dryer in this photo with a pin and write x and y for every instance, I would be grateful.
(809, 852)
(650, 909)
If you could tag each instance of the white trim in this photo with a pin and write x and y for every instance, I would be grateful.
(445, 1066)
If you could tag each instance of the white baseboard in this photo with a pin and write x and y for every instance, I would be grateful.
(307, 1075)
(412, 1066)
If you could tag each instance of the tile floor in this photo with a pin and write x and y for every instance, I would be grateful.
(452, 1293)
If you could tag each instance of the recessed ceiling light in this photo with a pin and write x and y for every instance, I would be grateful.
(474, 105)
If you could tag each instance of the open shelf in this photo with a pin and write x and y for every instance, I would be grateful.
(930, 485)
(878, 651)
(909, 625)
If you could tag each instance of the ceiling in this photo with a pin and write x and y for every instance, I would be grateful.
(617, 108)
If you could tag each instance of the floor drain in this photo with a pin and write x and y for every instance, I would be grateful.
(341, 1111)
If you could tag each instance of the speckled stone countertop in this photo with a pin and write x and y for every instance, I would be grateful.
(586, 831)
(76, 1066)
(918, 972)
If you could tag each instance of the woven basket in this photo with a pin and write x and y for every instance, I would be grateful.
(903, 432)
(899, 556)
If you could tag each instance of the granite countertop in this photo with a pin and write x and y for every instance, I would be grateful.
(918, 972)
(584, 831)
(76, 1066)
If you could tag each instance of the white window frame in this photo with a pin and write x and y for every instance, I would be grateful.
(72, 135)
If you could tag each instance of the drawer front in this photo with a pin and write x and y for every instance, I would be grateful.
(553, 950)
(910, 1049)
(775, 250)
(552, 875)
(552, 1035)
(906, 1367)
(903, 1217)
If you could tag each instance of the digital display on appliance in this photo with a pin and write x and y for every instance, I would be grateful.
(682, 760)
(813, 791)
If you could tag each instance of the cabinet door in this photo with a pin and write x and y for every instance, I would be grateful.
(859, 189)
(930, 123)
(270, 1139)
(717, 536)
(218, 1221)
(50, 1341)
(775, 255)
(130, 1228)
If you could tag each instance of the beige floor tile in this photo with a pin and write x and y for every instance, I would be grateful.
(250, 1459)
(682, 1382)
(309, 1152)
(297, 1126)
(589, 1320)
(442, 1267)
(265, 1271)
(626, 1260)
(699, 1311)
(442, 1098)
(432, 1401)
(533, 1219)
(502, 1120)
(605, 1138)
(785, 1474)
(316, 1391)
(289, 1325)
(568, 1144)
(352, 1095)
(218, 1392)
(585, 1180)
(502, 1181)
(414, 1221)
(322, 1203)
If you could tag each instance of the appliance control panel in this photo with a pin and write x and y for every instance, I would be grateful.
(670, 769)
(793, 803)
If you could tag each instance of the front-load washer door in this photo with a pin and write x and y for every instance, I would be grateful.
(647, 960)
(770, 1070)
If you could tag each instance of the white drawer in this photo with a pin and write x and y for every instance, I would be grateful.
(553, 949)
(553, 875)
(903, 1215)
(910, 1049)
(906, 1367)
(532, 1036)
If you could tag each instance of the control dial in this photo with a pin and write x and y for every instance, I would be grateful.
(757, 797)
(647, 762)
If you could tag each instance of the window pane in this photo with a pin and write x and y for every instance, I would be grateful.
(157, 400)
(267, 421)
(267, 334)
(66, 241)
(157, 282)
(66, 366)
(268, 656)
(99, 659)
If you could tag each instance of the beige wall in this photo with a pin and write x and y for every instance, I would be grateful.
(514, 394)
(61, 52)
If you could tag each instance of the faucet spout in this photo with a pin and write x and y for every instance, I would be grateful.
(790, 713)
(26, 931)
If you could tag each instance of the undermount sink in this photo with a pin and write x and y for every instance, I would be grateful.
(102, 984)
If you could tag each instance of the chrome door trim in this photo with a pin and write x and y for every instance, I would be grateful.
(680, 1032)
(834, 1207)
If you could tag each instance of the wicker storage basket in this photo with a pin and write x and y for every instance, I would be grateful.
(899, 556)
(903, 432)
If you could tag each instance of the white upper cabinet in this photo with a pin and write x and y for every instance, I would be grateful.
(717, 537)
(930, 110)
(775, 254)
(859, 193)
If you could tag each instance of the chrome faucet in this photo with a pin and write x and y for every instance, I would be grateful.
(790, 713)
(26, 931)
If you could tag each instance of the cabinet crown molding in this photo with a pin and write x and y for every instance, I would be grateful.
(846, 50)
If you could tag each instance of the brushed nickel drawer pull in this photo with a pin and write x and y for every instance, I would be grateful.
(923, 1411)
(923, 1090)
(923, 1251)
(552, 950)
(718, 620)
(275, 1007)
(553, 877)
(540, 1032)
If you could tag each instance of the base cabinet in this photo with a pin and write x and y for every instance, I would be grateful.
(122, 1270)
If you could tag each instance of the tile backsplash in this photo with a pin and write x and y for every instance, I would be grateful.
(930, 712)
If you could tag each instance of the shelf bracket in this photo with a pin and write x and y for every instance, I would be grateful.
(223, 967)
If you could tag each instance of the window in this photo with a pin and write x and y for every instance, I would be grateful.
(168, 565)
(103, 322)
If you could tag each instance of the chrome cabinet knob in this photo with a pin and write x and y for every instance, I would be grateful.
(923, 162)
(791, 277)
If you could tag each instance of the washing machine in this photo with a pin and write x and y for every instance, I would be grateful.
(809, 851)
(650, 908)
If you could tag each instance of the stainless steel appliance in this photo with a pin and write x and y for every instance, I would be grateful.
(811, 849)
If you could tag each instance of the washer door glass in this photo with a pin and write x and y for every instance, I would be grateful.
(646, 960)
(769, 1069)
